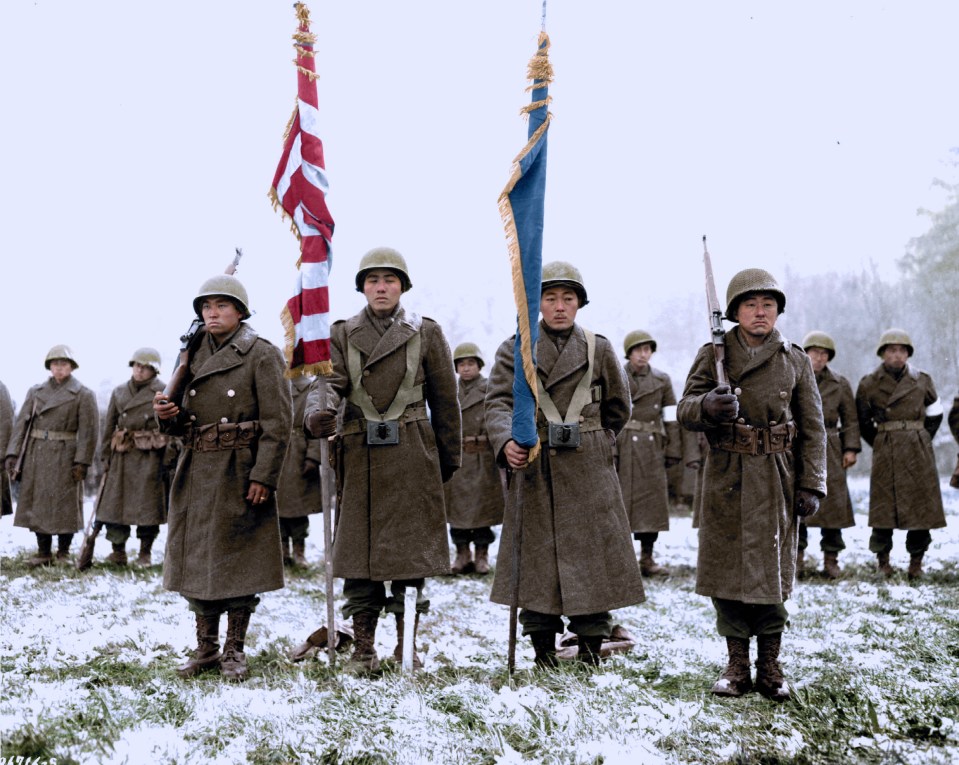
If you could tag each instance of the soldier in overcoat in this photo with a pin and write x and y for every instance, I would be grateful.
(648, 445)
(766, 464)
(576, 556)
(393, 453)
(59, 451)
(135, 455)
(842, 449)
(7, 416)
(954, 427)
(474, 495)
(235, 418)
(899, 413)
(300, 491)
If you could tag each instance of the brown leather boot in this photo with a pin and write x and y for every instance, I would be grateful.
(400, 633)
(648, 566)
(481, 562)
(119, 555)
(299, 553)
(735, 679)
(544, 643)
(915, 566)
(363, 661)
(769, 675)
(883, 566)
(63, 548)
(589, 648)
(830, 565)
(207, 653)
(464, 560)
(145, 558)
(287, 555)
(233, 662)
(44, 556)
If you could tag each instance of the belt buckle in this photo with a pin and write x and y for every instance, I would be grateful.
(386, 433)
(563, 435)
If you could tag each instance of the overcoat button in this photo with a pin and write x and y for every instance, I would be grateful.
(771, 423)
(193, 418)
(741, 421)
(651, 436)
(224, 419)
(738, 391)
(783, 395)
(231, 393)
(366, 373)
(552, 452)
(655, 406)
(635, 438)
(192, 392)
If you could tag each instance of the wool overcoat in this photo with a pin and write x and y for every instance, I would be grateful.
(474, 495)
(904, 483)
(7, 416)
(954, 418)
(298, 495)
(50, 501)
(842, 435)
(391, 513)
(577, 554)
(651, 435)
(748, 531)
(134, 490)
(219, 545)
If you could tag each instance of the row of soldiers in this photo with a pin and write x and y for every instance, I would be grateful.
(393, 408)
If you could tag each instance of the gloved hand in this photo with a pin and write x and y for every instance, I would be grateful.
(807, 504)
(321, 423)
(10, 464)
(78, 472)
(721, 404)
(447, 471)
(671, 461)
(310, 468)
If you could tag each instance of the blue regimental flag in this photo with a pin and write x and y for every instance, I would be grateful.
(521, 206)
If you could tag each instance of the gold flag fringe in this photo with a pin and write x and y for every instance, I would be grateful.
(324, 368)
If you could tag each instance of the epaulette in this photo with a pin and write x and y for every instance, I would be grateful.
(413, 320)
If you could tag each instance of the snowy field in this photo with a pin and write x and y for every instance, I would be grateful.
(87, 673)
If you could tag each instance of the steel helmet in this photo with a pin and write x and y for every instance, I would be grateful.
(894, 337)
(148, 357)
(752, 280)
(638, 337)
(559, 273)
(816, 339)
(226, 285)
(468, 351)
(383, 257)
(60, 352)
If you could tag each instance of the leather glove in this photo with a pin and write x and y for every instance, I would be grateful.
(310, 468)
(446, 471)
(321, 423)
(721, 405)
(807, 504)
(10, 464)
(672, 461)
(78, 472)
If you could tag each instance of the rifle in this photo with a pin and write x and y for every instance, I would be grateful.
(22, 452)
(716, 331)
(85, 558)
(188, 344)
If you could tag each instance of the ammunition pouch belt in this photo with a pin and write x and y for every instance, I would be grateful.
(220, 436)
(745, 439)
(555, 435)
(646, 427)
(475, 444)
(362, 425)
(143, 440)
(54, 435)
(899, 425)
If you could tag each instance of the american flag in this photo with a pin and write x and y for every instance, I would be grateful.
(299, 189)
(521, 206)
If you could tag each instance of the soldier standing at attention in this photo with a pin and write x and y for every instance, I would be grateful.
(7, 416)
(474, 496)
(765, 466)
(842, 448)
(648, 445)
(59, 451)
(299, 493)
(235, 416)
(954, 427)
(135, 455)
(393, 454)
(577, 558)
(899, 414)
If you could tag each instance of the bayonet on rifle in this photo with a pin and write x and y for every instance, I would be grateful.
(717, 333)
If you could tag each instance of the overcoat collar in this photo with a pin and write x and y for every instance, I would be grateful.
(905, 385)
(472, 393)
(773, 345)
(362, 334)
(51, 396)
(642, 383)
(139, 397)
(556, 366)
(230, 354)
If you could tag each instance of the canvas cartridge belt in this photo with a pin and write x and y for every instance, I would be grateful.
(646, 427)
(54, 435)
(745, 439)
(144, 440)
(568, 435)
(475, 444)
(383, 432)
(899, 425)
(219, 436)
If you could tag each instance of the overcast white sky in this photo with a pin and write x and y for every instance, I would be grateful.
(140, 141)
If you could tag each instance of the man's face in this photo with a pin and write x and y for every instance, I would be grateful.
(639, 356)
(142, 372)
(559, 306)
(468, 369)
(757, 314)
(61, 369)
(819, 358)
(221, 316)
(382, 288)
(895, 356)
